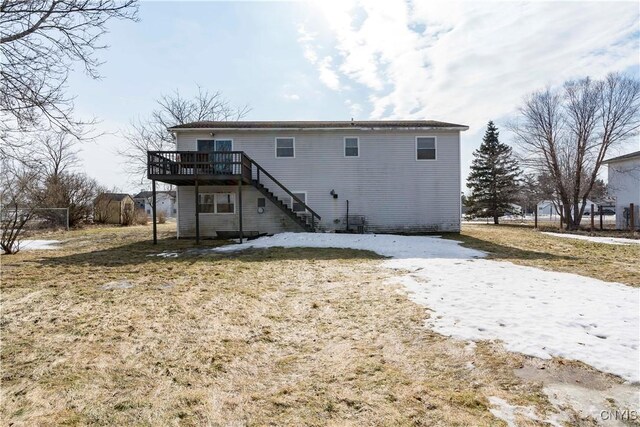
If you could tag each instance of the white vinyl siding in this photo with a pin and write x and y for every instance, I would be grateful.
(426, 148)
(352, 147)
(285, 147)
(385, 176)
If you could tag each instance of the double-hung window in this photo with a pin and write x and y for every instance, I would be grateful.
(426, 148)
(351, 147)
(219, 203)
(285, 147)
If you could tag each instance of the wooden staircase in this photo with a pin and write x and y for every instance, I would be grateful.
(225, 168)
(306, 220)
(303, 219)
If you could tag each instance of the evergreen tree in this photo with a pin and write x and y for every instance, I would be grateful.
(494, 177)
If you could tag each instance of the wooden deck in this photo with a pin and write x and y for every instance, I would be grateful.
(205, 168)
(196, 168)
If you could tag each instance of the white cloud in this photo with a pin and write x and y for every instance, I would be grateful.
(355, 109)
(326, 73)
(291, 96)
(469, 62)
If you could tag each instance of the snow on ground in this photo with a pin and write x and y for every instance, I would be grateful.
(535, 312)
(596, 239)
(508, 413)
(32, 245)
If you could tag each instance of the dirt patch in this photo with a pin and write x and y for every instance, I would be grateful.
(596, 397)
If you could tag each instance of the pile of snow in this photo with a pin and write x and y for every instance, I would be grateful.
(535, 312)
(32, 245)
(596, 239)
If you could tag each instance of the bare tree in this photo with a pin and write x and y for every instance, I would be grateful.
(39, 40)
(151, 134)
(73, 190)
(16, 210)
(56, 152)
(566, 133)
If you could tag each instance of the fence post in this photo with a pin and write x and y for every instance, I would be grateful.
(592, 217)
(601, 213)
(632, 218)
(535, 218)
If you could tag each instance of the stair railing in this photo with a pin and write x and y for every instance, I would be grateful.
(260, 169)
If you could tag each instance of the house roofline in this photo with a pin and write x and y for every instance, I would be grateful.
(460, 128)
(622, 158)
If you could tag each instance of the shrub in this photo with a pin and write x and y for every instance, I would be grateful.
(128, 215)
(162, 217)
(141, 217)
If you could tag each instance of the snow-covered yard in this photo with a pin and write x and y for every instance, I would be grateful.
(535, 312)
(597, 239)
(32, 245)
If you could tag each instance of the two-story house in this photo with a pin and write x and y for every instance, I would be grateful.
(248, 178)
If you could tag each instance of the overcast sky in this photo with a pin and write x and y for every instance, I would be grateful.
(462, 62)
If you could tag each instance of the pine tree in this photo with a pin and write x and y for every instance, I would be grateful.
(494, 177)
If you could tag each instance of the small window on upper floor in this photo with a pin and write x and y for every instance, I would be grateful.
(426, 148)
(285, 147)
(351, 147)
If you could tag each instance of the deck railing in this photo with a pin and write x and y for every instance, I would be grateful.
(197, 164)
(175, 165)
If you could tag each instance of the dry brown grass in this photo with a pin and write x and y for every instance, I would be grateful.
(279, 337)
(525, 246)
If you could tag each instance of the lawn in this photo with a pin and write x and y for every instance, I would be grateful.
(103, 332)
(525, 246)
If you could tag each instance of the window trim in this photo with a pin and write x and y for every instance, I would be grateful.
(215, 204)
(275, 144)
(305, 201)
(435, 144)
(344, 147)
(214, 142)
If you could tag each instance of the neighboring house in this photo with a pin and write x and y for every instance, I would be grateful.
(268, 177)
(624, 185)
(165, 202)
(551, 209)
(113, 208)
(548, 208)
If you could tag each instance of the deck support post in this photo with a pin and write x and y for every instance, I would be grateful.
(240, 209)
(197, 190)
(153, 211)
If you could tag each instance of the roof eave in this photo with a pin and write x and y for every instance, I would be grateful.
(458, 128)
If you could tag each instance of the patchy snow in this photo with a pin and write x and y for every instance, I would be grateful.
(166, 254)
(384, 244)
(508, 413)
(535, 312)
(596, 239)
(32, 245)
(540, 313)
